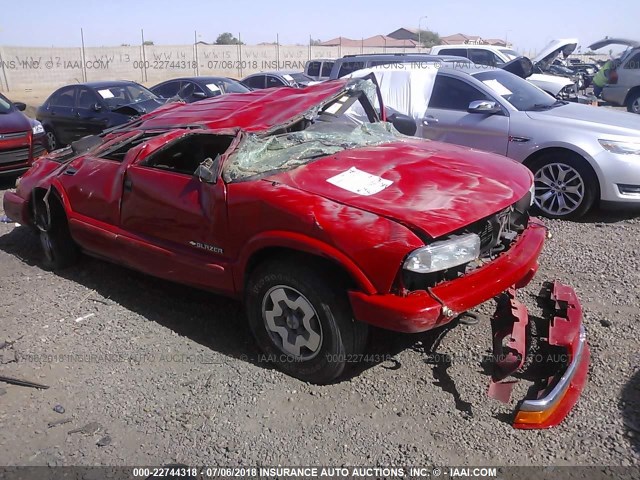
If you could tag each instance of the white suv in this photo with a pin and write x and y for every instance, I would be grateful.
(493, 56)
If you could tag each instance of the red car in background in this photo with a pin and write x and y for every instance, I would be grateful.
(323, 219)
(21, 139)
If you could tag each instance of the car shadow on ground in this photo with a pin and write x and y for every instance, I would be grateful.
(630, 409)
(211, 320)
(7, 182)
(609, 215)
(215, 322)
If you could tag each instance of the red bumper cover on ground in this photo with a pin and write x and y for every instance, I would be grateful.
(567, 350)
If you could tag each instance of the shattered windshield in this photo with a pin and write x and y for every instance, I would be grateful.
(259, 155)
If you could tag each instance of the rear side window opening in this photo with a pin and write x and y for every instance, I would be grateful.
(313, 69)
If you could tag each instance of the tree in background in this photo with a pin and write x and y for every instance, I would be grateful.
(313, 42)
(429, 39)
(227, 38)
(148, 42)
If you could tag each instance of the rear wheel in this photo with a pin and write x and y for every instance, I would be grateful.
(633, 105)
(565, 186)
(301, 319)
(52, 140)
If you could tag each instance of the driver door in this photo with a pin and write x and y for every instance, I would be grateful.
(175, 223)
(447, 120)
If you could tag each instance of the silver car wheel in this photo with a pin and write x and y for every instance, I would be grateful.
(635, 106)
(292, 322)
(559, 189)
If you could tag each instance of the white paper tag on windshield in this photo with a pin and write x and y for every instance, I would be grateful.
(105, 93)
(497, 87)
(288, 77)
(213, 87)
(359, 182)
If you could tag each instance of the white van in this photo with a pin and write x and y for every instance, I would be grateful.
(319, 68)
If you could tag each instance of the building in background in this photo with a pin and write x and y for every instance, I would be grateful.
(405, 33)
(497, 42)
(377, 41)
(462, 39)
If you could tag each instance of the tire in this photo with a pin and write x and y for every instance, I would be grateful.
(565, 185)
(633, 104)
(317, 350)
(52, 140)
(59, 249)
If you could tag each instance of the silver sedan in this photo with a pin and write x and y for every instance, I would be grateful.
(579, 154)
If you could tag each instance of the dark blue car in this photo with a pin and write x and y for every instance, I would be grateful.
(75, 111)
(192, 89)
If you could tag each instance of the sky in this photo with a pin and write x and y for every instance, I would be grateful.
(529, 25)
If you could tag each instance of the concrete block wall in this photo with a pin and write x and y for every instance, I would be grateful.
(43, 69)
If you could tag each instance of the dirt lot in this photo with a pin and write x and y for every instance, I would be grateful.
(161, 373)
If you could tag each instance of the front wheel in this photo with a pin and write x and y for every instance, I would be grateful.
(302, 321)
(633, 105)
(59, 249)
(565, 186)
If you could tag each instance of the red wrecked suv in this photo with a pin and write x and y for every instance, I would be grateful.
(322, 218)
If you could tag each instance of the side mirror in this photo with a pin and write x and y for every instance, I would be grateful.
(485, 107)
(20, 106)
(199, 95)
(97, 107)
(403, 123)
(207, 171)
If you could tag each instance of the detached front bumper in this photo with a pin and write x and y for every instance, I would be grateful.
(420, 311)
(554, 348)
(561, 392)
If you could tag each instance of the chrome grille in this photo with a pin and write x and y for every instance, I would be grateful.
(11, 136)
(16, 155)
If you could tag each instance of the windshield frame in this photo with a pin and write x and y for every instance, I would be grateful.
(10, 107)
(539, 97)
(300, 77)
(338, 106)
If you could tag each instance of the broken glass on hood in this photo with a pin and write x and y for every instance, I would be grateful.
(256, 156)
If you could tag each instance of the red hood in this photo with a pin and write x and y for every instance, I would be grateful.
(13, 122)
(254, 111)
(437, 188)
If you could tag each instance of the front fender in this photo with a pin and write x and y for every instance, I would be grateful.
(302, 243)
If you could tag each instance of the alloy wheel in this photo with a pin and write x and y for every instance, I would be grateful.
(292, 322)
(559, 189)
(51, 139)
(635, 106)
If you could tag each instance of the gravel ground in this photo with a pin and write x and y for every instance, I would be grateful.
(151, 373)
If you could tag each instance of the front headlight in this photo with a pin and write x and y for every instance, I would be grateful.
(445, 254)
(37, 129)
(622, 148)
